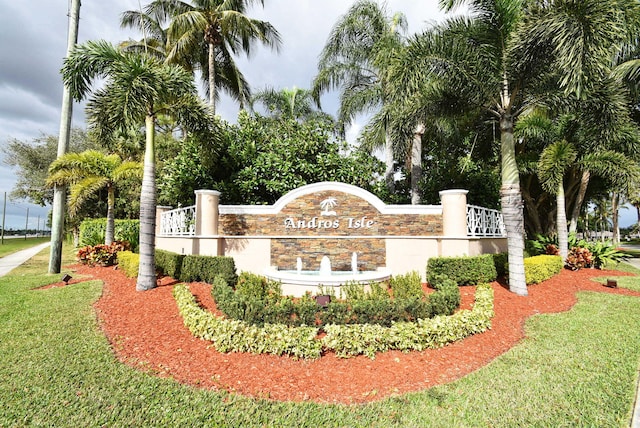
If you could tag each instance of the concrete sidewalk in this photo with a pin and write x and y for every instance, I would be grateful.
(12, 261)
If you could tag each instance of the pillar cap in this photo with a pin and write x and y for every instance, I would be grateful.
(454, 192)
(207, 192)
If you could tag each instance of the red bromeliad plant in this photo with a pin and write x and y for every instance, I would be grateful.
(578, 258)
(101, 254)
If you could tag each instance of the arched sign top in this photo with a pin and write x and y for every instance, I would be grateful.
(369, 197)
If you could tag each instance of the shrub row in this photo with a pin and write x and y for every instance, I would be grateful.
(258, 301)
(542, 267)
(129, 263)
(237, 336)
(345, 340)
(190, 268)
(463, 270)
(92, 231)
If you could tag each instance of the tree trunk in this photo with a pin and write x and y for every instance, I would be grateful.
(388, 159)
(561, 220)
(111, 200)
(147, 267)
(416, 164)
(511, 201)
(615, 208)
(212, 79)
(584, 182)
(60, 192)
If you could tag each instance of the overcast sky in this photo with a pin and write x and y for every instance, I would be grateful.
(33, 36)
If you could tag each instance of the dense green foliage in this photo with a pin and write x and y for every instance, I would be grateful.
(258, 301)
(169, 263)
(463, 270)
(128, 262)
(406, 286)
(262, 159)
(92, 231)
(542, 267)
(207, 268)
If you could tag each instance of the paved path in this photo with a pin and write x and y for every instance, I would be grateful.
(12, 261)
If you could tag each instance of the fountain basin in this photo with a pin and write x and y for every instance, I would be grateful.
(297, 283)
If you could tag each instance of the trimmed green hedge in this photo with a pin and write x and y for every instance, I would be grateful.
(542, 267)
(463, 270)
(129, 263)
(169, 263)
(258, 301)
(207, 268)
(345, 340)
(92, 231)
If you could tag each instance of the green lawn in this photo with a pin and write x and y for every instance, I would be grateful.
(16, 244)
(576, 368)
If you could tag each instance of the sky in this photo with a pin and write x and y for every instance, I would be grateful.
(33, 38)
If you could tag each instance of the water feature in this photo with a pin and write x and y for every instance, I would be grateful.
(298, 282)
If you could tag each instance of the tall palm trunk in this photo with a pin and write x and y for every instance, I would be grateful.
(511, 201)
(212, 79)
(615, 208)
(575, 213)
(416, 164)
(147, 268)
(388, 159)
(561, 220)
(110, 229)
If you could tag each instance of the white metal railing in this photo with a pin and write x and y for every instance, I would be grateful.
(178, 222)
(484, 222)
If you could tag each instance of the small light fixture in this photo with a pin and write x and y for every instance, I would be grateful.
(612, 283)
(66, 278)
(323, 300)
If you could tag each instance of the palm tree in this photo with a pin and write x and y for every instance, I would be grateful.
(86, 174)
(136, 89)
(207, 33)
(355, 60)
(554, 161)
(293, 103)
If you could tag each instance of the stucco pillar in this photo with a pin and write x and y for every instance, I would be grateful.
(454, 212)
(159, 210)
(207, 212)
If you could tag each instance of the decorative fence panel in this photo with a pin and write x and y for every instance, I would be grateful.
(484, 222)
(179, 222)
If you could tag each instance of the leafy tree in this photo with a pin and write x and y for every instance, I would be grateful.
(205, 34)
(86, 173)
(264, 159)
(32, 160)
(355, 60)
(136, 89)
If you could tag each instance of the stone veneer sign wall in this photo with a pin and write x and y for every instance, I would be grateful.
(328, 219)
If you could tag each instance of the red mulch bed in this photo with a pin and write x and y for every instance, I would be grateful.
(146, 332)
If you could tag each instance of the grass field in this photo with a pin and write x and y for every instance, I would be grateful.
(577, 368)
(16, 244)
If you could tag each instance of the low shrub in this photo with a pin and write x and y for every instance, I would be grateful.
(406, 286)
(206, 268)
(169, 263)
(603, 253)
(578, 258)
(501, 262)
(346, 340)
(129, 262)
(542, 267)
(258, 301)
(463, 270)
(101, 255)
